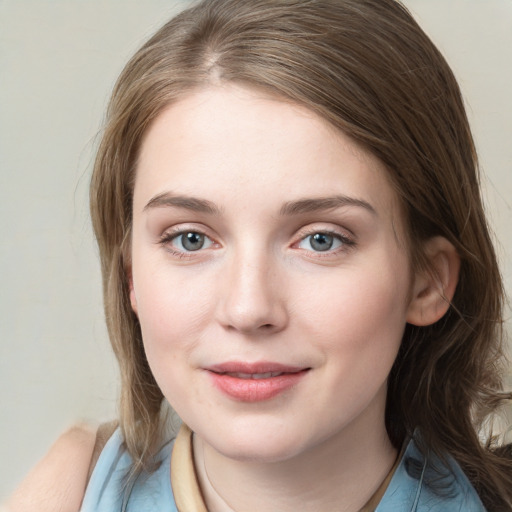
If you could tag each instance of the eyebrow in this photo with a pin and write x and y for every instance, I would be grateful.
(300, 206)
(324, 203)
(188, 203)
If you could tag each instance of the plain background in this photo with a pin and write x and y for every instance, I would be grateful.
(58, 62)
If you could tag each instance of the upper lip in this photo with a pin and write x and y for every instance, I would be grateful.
(254, 368)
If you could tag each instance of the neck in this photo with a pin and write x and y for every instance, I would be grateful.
(341, 473)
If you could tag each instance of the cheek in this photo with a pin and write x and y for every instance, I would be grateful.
(355, 297)
(173, 309)
(171, 315)
(357, 317)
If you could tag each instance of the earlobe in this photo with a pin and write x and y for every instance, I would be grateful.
(434, 288)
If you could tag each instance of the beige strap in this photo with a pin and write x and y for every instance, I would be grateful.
(185, 487)
(103, 434)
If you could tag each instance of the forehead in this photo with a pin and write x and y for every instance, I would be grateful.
(239, 145)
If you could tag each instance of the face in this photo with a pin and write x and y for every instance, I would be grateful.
(268, 273)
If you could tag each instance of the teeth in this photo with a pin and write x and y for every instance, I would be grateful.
(254, 376)
(263, 375)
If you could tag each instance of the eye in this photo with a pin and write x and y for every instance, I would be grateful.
(323, 242)
(188, 241)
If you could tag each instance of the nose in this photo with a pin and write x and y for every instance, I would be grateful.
(252, 299)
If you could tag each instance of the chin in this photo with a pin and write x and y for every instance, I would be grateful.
(255, 443)
(260, 452)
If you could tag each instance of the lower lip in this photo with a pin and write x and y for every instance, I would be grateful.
(255, 390)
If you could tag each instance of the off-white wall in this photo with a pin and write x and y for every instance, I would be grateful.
(58, 61)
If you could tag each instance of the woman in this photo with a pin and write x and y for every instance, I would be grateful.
(295, 256)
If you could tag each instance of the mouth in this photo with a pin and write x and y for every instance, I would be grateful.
(255, 382)
(255, 376)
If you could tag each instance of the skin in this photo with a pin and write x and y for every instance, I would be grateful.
(258, 290)
(57, 483)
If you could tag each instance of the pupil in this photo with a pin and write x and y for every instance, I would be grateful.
(322, 242)
(192, 241)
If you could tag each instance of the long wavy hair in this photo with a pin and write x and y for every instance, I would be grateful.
(367, 68)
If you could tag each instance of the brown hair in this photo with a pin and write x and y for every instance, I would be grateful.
(368, 68)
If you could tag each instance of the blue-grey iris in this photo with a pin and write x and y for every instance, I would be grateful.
(321, 241)
(192, 241)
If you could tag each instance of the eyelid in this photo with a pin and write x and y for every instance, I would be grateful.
(173, 232)
(347, 238)
(327, 228)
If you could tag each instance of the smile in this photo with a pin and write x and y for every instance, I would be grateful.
(249, 382)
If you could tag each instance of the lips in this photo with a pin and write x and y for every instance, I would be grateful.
(255, 382)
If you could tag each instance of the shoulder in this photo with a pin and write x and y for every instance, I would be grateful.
(114, 485)
(427, 484)
(57, 483)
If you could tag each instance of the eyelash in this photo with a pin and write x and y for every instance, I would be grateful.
(169, 236)
(346, 242)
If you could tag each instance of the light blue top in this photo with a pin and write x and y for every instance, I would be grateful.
(107, 492)
(418, 485)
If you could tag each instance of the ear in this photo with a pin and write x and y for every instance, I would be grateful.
(434, 287)
(133, 299)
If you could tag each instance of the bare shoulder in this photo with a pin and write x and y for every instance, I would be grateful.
(57, 483)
